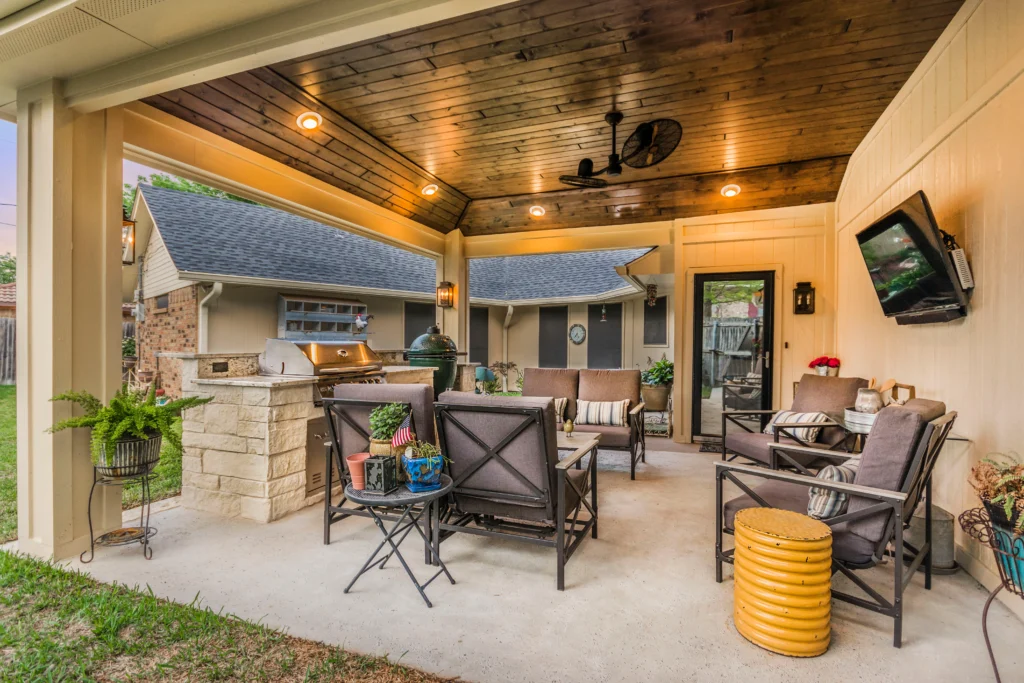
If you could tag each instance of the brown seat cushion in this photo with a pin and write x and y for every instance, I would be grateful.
(420, 396)
(754, 445)
(486, 506)
(553, 382)
(610, 385)
(611, 437)
(846, 546)
(829, 395)
(926, 408)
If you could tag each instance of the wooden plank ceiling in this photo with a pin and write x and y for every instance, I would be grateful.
(774, 94)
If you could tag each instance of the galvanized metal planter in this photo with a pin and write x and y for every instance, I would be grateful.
(131, 457)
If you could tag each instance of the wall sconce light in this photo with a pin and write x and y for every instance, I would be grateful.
(446, 295)
(731, 190)
(652, 295)
(803, 299)
(127, 240)
(604, 313)
(309, 120)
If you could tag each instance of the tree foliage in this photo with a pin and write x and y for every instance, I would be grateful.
(175, 183)
(129, 414)
(8, 268)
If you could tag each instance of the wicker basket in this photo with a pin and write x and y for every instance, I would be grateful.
(131, 457)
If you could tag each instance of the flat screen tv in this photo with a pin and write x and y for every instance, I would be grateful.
(912, 276)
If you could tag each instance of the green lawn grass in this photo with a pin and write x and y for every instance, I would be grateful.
(8, 465)
(58, 625)
(165, 483)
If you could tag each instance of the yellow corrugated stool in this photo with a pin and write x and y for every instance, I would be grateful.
(783, 581)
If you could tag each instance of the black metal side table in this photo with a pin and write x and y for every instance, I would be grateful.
(125, 535)
(409, 519)
(1008, 549)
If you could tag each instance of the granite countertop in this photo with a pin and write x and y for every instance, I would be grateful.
(268, 381)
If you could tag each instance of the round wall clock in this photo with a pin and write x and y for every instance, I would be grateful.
(577, 333)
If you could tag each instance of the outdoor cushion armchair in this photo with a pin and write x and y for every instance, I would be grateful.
(893, 477)
(814, 393)
(508, 481)
(348, 420)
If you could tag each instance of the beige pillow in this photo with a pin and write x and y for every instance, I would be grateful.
(612, 413)
(560, 404)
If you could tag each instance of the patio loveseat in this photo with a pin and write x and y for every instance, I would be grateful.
(893, 476)
(596, 385)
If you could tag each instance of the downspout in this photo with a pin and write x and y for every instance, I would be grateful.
(204, 315)
(504, 343)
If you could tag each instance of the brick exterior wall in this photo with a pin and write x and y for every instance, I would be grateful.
(174, 329)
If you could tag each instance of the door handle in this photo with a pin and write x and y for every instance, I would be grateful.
(767, 359)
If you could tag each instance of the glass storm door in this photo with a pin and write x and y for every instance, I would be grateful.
(732, 348)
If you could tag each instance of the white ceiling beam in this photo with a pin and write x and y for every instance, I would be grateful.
(295, 33)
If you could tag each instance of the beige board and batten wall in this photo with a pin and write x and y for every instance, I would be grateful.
(954, 131)
(796, 243)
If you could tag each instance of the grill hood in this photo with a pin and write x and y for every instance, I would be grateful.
(319, 358)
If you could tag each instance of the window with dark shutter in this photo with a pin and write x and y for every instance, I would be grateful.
(656, 322)
(553, 349)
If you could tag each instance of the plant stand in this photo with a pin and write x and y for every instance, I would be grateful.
(1009, 554)
(125, 535)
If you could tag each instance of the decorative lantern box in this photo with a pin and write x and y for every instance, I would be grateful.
(381, 474)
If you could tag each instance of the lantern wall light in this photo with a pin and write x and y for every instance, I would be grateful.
(446, 295)
(803, 299)
(127, 240)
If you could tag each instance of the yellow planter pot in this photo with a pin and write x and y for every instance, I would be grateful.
(783, 581)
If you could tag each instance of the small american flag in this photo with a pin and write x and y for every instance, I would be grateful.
(404, 433)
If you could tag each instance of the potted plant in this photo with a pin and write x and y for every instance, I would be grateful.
(127, 432)
(999, 482)
(657, 383)
(423, 464)
(825, 366)
(128, 353)
(504, 370)
(385, 420)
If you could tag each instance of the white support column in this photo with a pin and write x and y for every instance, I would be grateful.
(68, 313)
(453, 267)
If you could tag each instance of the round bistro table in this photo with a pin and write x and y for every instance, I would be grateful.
(410, 518)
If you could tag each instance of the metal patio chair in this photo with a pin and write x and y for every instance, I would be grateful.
(814, 393)
(508, 481)
(894, 475)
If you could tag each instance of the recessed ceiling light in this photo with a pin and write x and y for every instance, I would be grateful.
(730, 190)
(309, 120)
(429, 189)
(537, 211)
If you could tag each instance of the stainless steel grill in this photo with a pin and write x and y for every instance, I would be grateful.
(330, 362)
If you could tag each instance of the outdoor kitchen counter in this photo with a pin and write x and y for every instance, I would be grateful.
(247, 453)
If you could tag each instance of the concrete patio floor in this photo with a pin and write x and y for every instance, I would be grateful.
(640, 604)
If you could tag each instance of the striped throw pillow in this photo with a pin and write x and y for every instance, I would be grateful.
(808, 434)
(611, 413)
(560, 404)
(825, 504)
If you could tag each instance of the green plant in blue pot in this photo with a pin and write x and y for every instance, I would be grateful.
(423, 464)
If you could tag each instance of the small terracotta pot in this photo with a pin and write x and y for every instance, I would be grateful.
(357, 469)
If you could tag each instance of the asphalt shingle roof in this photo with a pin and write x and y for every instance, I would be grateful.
(227, 237)
(547, 276)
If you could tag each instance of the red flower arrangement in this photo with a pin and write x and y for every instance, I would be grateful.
(824, 360)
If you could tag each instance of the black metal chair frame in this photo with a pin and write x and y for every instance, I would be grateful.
(900, 506)
(335, 407)
(741, 390)
(566, 531)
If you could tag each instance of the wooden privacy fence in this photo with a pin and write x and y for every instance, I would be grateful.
(8, 360)
(728, 348)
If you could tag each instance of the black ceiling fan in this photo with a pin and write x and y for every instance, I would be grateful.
(649, 144)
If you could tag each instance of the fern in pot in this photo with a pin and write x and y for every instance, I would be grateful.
(128, 431)
(999, 482)
(657, 383)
